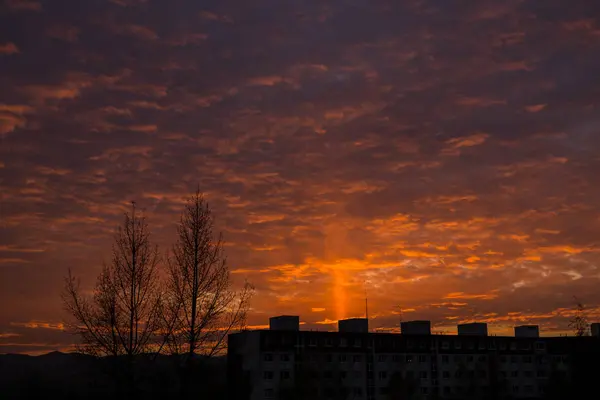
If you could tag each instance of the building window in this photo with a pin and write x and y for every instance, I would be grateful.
(445, 359)
(482, 373)
(382, 375)
(396, 358)
(503, 374)
(410, 374)
(527, 359)
(284, 375)
(343, 342)
(469, 358)
(357, 343)
(356, 358)
(445, 345)
(329, 358)
(528, 388)
(343, 374)
(423, 374)
(503, 359)
(357, 391)
(502, 345)
(446, 374)
(409, 358)
(268, 375)
(285, 357)
(482, 358)
(515, 389)
(513, 345)
(513, 359)
(424, 390)
(457, 345)
(312, 341)
(268, 357)
(540, 346)
(269, 393)
(422, 358)
(382, 358)
(422, 345)
(447, 390)
(457, 359)
(514, 374)
(410, 344)
(470, 345)
(327, 374)
(541, 373)
(528, 374)
(342, 358)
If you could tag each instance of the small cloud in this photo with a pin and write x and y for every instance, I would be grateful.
(574, 275)
(266, 81)
(211, 16)
(127, 3)
(479, 102)
(535, 108)
(9, 48)
(40, 325)
(317, 309)
(67, 33)
(139, 31)
(7, 335)
(466, 296)
(24, 5)
(143, 128)
(327, 321)
(468, 141)
(13, 249)
(13, 261)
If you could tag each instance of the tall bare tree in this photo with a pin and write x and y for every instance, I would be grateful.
(579, 321)
(122, 316)
(201, 307)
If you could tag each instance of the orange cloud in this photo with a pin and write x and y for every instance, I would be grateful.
(461, 295)
(468, 141)
(40, 325)
(535, 108)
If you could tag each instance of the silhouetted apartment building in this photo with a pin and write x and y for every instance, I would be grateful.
(287, 363)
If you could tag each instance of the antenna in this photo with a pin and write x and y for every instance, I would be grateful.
(366, 305)
(399, 307)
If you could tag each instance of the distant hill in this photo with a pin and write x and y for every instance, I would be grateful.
(78, 376)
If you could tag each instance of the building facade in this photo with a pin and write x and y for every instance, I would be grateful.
(355, 364)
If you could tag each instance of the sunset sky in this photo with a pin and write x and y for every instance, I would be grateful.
(441, 155)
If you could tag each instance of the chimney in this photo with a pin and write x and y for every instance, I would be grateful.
(473, 329)
(528, 331)
(415, 328)
(360, 325)
(284, 323)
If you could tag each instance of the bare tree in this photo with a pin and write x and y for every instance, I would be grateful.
(201, 306)
(121, 317)
(579, 322)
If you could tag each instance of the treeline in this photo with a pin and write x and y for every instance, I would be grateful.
(146, 303)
